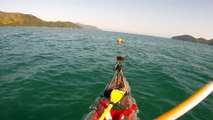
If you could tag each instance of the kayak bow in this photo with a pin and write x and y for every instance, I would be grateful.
(116, 102)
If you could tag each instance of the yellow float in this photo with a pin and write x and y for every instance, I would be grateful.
(119, 40)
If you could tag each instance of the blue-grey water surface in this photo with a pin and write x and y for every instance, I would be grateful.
(56, 74)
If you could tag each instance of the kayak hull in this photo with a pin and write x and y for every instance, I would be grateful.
(125, 109)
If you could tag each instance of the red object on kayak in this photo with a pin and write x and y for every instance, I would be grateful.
(117, 114)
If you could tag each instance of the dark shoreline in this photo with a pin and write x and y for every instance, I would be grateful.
(193, 39)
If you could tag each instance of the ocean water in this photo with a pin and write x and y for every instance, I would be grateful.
(56, 74)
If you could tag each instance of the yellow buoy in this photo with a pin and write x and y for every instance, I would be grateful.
(119, 40)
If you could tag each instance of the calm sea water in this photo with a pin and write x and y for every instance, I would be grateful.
(56, 74)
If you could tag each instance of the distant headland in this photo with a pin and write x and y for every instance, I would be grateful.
(28, 20)
(193, 39)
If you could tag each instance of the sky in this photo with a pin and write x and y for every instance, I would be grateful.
(164, 18)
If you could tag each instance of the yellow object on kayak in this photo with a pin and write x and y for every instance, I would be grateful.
(115, 96)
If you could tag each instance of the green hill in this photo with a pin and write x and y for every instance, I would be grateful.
(19, 19)
(193, 39)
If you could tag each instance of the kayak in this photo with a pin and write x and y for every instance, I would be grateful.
(124, 108)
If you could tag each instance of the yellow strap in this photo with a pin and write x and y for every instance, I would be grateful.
(106, 112)
(115, 96)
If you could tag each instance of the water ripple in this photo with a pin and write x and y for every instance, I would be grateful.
(57, 74)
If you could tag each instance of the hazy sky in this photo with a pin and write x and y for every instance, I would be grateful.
(152, 17)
